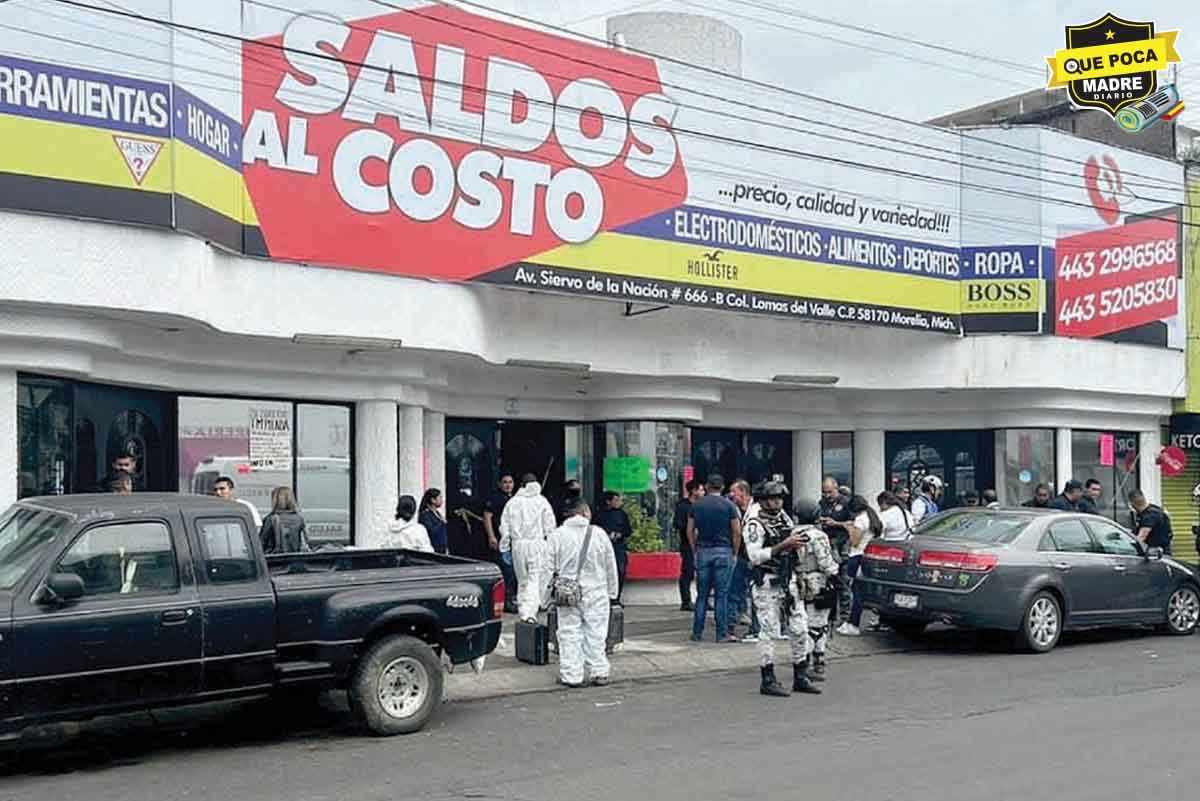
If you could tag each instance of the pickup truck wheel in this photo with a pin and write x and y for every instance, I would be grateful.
(396, 686)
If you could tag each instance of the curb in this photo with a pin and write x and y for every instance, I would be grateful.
(540, 679)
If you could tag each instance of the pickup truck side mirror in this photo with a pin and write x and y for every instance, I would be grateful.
(1154, 554)
(60, 588)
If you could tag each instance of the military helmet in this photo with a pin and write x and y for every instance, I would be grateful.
(807, 511)
(773, 489)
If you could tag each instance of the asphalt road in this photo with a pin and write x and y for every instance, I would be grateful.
(1103, 717)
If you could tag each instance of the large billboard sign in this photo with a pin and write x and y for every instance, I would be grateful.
(426, 141)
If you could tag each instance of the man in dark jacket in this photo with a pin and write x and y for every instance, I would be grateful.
(615, 521)
(1069, 500)
(687, 557)
(1090, 500)
(1040, 499)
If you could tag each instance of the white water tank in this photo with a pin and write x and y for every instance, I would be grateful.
(691, 38)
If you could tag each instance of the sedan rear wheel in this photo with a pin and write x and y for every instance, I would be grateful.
(1042, 624)
(1183, 610)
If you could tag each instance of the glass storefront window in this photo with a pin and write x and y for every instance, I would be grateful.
(837, 456)
(324, 481)
(215, 440)
(1110, 457)
(1026, 459)
(645, 461)
(44, 435)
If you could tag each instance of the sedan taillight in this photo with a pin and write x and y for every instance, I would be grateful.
(885, 553)
(953, 560)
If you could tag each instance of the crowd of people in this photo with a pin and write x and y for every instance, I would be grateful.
(779, 574)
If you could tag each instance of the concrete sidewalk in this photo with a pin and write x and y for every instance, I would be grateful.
(657, 646)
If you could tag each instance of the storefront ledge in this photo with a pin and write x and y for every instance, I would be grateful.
(653, 566)
(642, 660)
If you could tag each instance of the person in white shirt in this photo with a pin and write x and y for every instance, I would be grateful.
(863, 527)
(223, 489)
(897, 521)
(926, 503)
(405, 532)
(583, 629)
(527, 522)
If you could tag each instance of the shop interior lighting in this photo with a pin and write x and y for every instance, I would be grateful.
(347, 343)
(536, 364)
(806, 380)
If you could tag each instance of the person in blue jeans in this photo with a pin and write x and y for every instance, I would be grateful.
(715, 532)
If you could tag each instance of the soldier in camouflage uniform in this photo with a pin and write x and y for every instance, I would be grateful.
(771, 546)
(815, 568)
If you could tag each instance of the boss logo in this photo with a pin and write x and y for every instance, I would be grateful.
(462, 601)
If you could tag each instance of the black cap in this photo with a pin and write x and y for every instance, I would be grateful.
(1072, 485)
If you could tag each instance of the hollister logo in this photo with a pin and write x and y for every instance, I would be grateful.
(447, 144)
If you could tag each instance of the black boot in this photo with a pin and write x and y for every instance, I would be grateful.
(770, 684)
(816, 667)
(801, 683)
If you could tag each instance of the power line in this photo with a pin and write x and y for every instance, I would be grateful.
(1161, 184)
(858, 46)
(917, 176)
(724, 74)
(890, 35)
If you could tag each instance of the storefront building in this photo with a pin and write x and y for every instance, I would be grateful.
(252, 286)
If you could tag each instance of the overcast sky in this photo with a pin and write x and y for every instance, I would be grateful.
(778, 49)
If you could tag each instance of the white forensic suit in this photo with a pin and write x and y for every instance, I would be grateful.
(527, 522)
(583, 629)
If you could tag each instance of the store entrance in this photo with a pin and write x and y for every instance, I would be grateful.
(964, 460)
(111, 421)
(752, 455)
(535, 447)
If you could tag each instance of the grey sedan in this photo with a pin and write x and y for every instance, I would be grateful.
(1032, 572)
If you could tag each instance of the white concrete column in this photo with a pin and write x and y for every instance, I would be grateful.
(9, 443)
(435, 450)
(410, 451)
(1149, 473)
(806, 464)
(374, 469)
(1064, 467)
(869, 467)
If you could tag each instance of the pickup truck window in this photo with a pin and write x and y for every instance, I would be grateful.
(123, 558)
(226, 548)
(24, 535)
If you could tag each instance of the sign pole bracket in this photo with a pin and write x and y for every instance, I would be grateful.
(629, 311)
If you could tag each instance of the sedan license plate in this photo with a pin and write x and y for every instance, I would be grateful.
(904, 600)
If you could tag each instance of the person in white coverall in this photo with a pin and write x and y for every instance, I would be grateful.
(583, 629)
(527, 522)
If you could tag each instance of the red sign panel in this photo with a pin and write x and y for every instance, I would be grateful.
(464, 145)
(1172, 460)
(1118, 278)
(1107, 447)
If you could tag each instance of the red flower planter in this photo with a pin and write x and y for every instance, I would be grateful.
(653, 566)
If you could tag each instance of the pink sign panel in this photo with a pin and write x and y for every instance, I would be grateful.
(1107, 449)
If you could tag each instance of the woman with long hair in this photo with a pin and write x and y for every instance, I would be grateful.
(864, 525)
(283, 530)
(897, 523)
(433, 518)
(405, 531)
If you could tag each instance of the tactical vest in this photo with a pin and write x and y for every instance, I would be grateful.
(774, 532)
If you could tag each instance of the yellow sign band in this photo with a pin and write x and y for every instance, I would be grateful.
(1110, 60)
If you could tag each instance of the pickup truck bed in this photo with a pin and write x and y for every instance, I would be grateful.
(111, 604)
